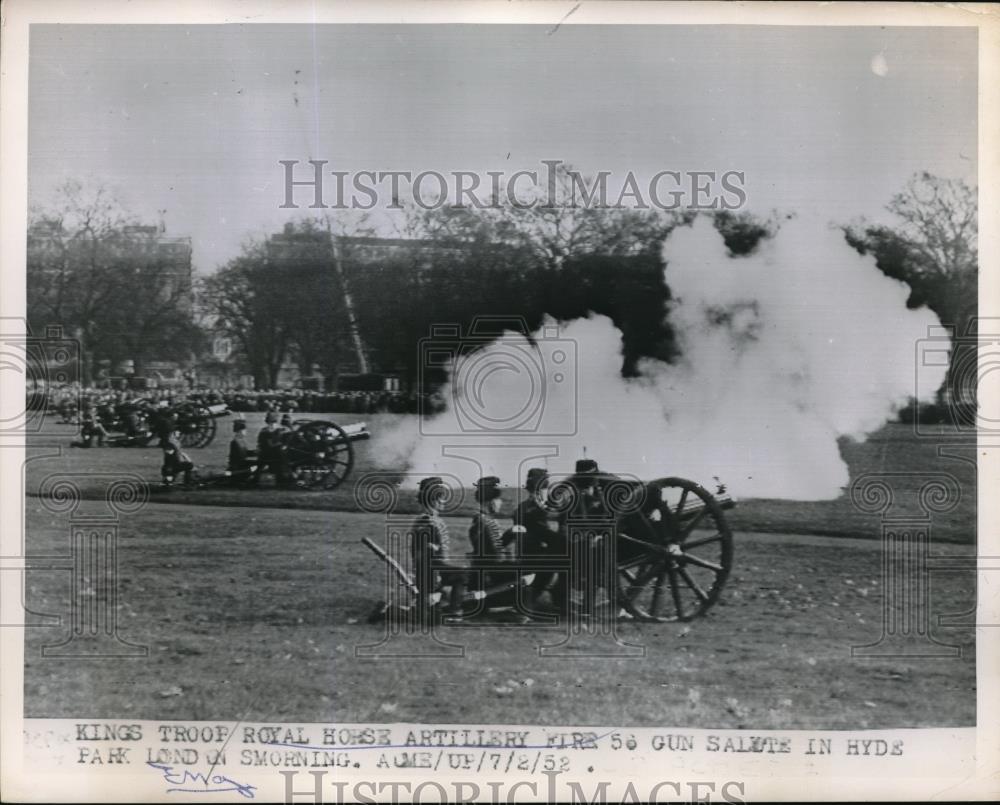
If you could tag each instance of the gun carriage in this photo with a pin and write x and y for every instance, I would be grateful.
(671, 556)
(139, 423)
(320, 454)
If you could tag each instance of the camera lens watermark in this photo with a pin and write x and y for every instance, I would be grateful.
(971, 360)
(49, 365)
(499, 379)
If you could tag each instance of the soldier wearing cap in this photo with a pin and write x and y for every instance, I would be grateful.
(175, 460)
(90, 428)
(588, 505)
(586, 480)
(538, 532)
(136, 429)
(430, 545)
(485, 534)
(271, 449)
(242, 460)
(533, 516)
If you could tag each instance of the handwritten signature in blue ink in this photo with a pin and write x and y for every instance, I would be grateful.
(176, 779)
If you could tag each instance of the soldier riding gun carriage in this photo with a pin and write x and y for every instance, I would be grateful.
(138, 422)
(661, 551)
(306, 453)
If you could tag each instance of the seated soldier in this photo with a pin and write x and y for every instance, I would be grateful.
(67, 410)
(91, 428)
(587, 547)
(136, 430)
(430, 548)
(271, 450)
(485, 533)
(646, 523)
(175, 460)
(242, 460)
(539, 534)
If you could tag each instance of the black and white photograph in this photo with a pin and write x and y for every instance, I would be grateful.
(423, 395)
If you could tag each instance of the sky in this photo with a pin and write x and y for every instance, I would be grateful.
(193, 120)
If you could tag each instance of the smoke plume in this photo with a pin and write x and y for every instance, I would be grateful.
(783, 352)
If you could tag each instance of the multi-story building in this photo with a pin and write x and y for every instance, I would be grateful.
(349, 257)
(171, 255)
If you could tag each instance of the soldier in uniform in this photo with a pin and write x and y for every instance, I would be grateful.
(90, 428)
(532, 514)
(242, 460)
(271, 449)
(175, 460)
(538, 532)
(587, 545)
(586, 480)
(135, 428)
(67, 410)
(430, 545)
(485, 534)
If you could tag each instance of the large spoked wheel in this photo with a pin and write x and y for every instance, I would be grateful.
(321, 456)
(679, 573)
(196, 424)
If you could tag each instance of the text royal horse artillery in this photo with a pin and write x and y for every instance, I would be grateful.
(659, 550)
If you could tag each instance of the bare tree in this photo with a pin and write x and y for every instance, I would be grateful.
(569, 219)
(89, 272)
(933, 248)
(241, 298)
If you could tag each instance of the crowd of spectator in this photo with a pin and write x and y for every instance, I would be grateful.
(331, 402)
(68, 400)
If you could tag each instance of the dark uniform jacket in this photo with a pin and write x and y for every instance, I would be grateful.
(270, 441)
(174, 457)
(239, 456)
(542, 535)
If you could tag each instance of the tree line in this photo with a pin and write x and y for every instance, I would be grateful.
(285, 298)
(512, 265)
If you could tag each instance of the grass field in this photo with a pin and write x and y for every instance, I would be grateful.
(892, 449)
(257, 615)
(258, 612)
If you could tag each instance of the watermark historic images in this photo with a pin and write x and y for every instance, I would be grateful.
(312, 184)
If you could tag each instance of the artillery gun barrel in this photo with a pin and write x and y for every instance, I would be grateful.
(357, 432)
(694, 507)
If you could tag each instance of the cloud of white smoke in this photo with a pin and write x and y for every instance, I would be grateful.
(783, 352)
